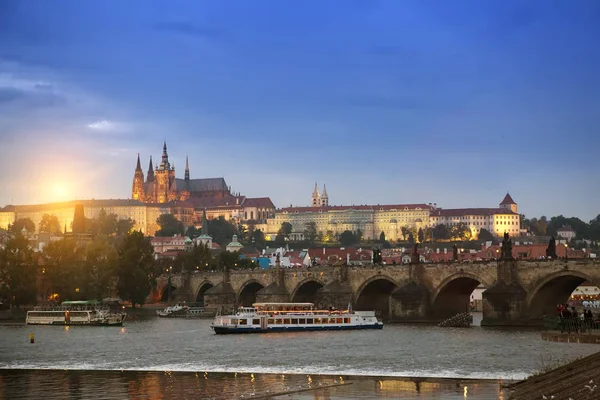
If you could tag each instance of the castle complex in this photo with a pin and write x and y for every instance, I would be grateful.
(390, 219)
(161, 192)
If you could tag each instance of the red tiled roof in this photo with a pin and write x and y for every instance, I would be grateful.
(162, 239)
(459, 212)
(211, 202)
(264, 202)
(382, 207)
(507, 200)
(565, 229)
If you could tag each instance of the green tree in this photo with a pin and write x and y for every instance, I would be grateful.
(99, 268)
(49, 224)
(63, 262)
(258, 239)
(359, 235)
(124, 226)
(229, 259)
(460, 231)
(221, 230)
(23, 223)
(107, 223)
(485, 235)
(241, 232)
(169, 226)
(421, 235)
(382, 236)
(310, 232)
(347, 238)
(18, 266)
(405, 232)
(135, 268)
(441, 232)
(285, 229)
(411, 238)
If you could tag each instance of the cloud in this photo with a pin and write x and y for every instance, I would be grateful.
(189, 29)
(105, 125)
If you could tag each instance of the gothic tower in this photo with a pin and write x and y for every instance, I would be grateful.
(509, 204)
(324, 197)
(316, 197)
(150, 176)
(164, 176)
(137, 190)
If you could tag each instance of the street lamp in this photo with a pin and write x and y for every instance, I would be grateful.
(566, 251)
(169, 270)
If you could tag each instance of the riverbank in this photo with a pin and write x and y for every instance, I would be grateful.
(562, 337)
(50, 384)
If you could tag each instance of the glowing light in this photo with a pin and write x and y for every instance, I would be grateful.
(466, 391)
(60, 192)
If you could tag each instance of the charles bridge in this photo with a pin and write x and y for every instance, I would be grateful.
(517, 292)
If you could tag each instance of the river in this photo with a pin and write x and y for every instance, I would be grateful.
(186, 351)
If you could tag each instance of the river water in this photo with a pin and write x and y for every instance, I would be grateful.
(182, 358)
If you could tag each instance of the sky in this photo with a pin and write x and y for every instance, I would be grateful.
(385, 102)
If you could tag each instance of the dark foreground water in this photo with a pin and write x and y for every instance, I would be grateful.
(184, 358)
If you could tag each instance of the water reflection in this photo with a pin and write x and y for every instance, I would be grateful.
(112, 385)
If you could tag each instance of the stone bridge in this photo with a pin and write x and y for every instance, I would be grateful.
(517, 292)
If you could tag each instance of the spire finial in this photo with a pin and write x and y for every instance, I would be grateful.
(138, 166)
(187, 168)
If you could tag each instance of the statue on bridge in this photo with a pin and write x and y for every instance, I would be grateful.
(551, 250)
(415, 258)
(507, 247)
(454, 252)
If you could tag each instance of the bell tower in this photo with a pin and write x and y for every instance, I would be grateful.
(316, 197)
(324, 197)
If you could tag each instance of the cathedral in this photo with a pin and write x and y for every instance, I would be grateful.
(161, 185)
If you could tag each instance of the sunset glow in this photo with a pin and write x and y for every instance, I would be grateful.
(60, 192)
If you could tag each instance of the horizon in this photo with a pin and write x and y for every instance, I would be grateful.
(383, 102)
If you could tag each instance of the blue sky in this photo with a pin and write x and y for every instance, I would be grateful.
(452, 102)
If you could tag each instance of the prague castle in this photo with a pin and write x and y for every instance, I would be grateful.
(392, 219)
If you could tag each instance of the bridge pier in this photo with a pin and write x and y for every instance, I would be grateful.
(221, 297)
(410, 302)
(505, 303)
(275, 292)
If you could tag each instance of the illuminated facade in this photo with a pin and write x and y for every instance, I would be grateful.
(371, 220)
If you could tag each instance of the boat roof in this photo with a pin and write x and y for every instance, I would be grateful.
(79, 302)
(281, 304)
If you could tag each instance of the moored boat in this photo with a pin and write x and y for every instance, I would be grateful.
(184, 311)
(91, 313)
(292, 317)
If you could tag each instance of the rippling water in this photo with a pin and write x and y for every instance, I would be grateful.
(190, 345)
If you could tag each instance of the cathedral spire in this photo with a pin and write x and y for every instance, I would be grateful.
(187, 169)
(165, 157)
(150, 176)
(138, 166)
(316, 196)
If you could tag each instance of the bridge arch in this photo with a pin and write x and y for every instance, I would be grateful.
(202, 288)
(554, 289)
(247, 293)
(306, 291)
(453, 294)
(164, 292)
(375, 293)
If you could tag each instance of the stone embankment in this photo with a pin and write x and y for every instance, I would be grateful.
(578, 380)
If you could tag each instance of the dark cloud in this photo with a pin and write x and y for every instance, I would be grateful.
(190, 29)
(31, 99)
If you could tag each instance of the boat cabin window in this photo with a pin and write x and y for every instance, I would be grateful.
(309, 321)
(271, 321)
(346, 320)
(286, 321)
(256, 321)
(243, 321)
(302, 321)
(294, 321)
(317, 320)
(279, 321)
(234, 321)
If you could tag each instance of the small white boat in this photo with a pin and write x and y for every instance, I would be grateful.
(183, 311)
(91, 313)
(293, 317)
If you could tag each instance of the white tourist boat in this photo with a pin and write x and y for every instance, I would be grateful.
(92, 313)
(183, 311)
(292, 317)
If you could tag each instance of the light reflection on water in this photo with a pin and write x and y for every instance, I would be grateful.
(115, 385)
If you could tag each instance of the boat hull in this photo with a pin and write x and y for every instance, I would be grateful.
(75, 323)
(224, 330)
